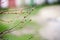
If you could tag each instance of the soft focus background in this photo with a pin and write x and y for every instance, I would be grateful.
(15, 18)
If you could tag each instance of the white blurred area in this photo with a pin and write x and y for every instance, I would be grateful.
(28, 2)
(49, 18)
(18, 3)
(52, 1)
(4, 3)
(39, 2)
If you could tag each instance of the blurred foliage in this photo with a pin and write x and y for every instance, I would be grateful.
(19, 23)
(3, 9)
